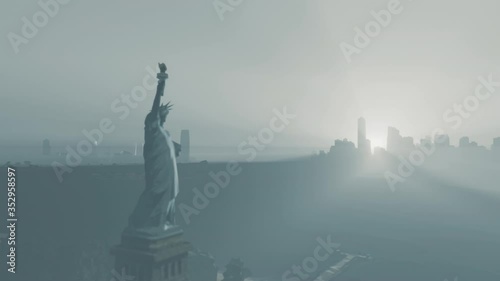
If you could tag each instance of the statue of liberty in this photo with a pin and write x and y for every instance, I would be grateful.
(155, 210)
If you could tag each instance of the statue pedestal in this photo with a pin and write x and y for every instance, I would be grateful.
(146, 257)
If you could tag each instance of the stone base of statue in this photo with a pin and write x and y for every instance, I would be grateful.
(152, 255)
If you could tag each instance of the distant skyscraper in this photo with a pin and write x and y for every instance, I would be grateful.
(408, 143)
(363, 143)
(46, 148)
(426, 141)
(496, 144)
(343, 147)
(464, 142)
(378, 150)
(361, 132)
(394, 140)
(442, 140)
(185, 147)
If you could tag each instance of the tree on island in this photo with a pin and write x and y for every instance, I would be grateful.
(235, 271)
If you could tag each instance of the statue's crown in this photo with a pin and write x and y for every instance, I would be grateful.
(164, 108)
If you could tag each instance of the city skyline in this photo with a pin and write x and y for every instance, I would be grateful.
(395, 143)
(362, 133)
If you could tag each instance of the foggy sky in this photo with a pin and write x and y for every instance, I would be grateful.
(227, 76)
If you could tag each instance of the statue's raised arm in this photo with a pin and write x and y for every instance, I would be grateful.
(162, 76)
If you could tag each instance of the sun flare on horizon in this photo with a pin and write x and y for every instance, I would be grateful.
(377, 141)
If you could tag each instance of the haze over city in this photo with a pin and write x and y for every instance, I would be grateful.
(227, 76)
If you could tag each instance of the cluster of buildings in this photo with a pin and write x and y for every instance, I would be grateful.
(110, 154)
(401, 145)
(397, 144)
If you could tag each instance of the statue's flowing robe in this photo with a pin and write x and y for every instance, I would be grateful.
(156, 206)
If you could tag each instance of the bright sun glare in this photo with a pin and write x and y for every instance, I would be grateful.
(377, 141)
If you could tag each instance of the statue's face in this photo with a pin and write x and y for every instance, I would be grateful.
(163, 115)
(164, 110)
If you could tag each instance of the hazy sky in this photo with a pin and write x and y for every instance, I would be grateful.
(227, 76)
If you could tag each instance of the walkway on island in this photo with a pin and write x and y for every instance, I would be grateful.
(341, 266)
